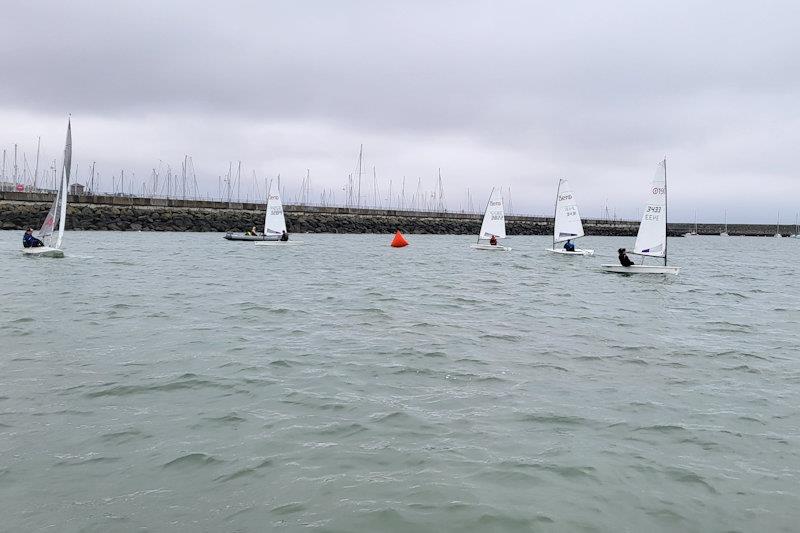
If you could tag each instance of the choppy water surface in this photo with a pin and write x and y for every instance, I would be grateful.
(182, 382)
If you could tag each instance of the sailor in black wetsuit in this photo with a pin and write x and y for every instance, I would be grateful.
(284, 236)
(568, 246)
(624, 260)
(29, 241)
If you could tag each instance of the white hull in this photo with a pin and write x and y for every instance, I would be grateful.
(778, 236)
(43, 251)
(562, 251)
(724, 234)
(279, 243)
(640, 269)
(243, 237)
(490, 247)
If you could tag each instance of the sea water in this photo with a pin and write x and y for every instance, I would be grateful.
(181, 382)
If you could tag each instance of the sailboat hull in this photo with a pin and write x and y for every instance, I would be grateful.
(243, 237)
(43, 251)
(561, 251)
(640, 269)
(491, 248)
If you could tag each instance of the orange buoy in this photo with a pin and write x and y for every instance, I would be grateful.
(399, 241)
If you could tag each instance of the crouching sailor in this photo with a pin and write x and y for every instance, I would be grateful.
(624, 260)
(29, 241)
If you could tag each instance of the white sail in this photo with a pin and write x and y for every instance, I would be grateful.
(652, 237)
(494, 219)
(58, 211)
(274, 221)
(65, 171)
(567, 224)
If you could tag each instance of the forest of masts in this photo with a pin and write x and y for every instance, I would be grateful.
(362, 187)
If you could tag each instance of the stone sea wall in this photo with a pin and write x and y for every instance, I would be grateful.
(19, 215)
(112, 213)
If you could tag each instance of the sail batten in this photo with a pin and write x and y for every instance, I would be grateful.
(494, 220)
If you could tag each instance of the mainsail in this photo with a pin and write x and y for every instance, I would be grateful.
(58, 211)
(652, 237)
(274, 221)
(567, 218)
(494, 220)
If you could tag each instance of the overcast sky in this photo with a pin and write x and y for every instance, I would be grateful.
(507, 94)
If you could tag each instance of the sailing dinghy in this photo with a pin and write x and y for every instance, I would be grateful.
(266, 236)
(651, 241)
(58, 211)
(567, 224)
(494, 224)
(275, 223)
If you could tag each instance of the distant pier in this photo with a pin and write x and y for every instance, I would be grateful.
(19, 210)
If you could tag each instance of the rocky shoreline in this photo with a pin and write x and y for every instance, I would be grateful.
(18, 211)
(19, 215)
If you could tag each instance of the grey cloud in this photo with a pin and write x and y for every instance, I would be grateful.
(606, 87)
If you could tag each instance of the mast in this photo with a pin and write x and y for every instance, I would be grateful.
(239, 182)
(64, 183)
(484, 212)
(666, 219)
(360, 154)
(36, 171)
(555, 211)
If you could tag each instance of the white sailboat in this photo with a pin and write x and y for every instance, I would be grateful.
(796, 228)
(253, 236)
(494, 223)
(725, 233)
(693, 233)
(778, 227)
(567, 224)
(58, 211)
(651, 241)
(275, 223)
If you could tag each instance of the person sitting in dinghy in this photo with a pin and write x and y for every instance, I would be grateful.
(284, 236)
(624, 260)
(568, 246)
(29, 241)
(493, 241)
(252, 231)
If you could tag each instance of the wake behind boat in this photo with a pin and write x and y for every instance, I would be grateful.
(567, 224)
(493, 226)
(651, 241)
(48, 242)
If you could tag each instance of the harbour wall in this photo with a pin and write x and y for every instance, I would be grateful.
(123, 213)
